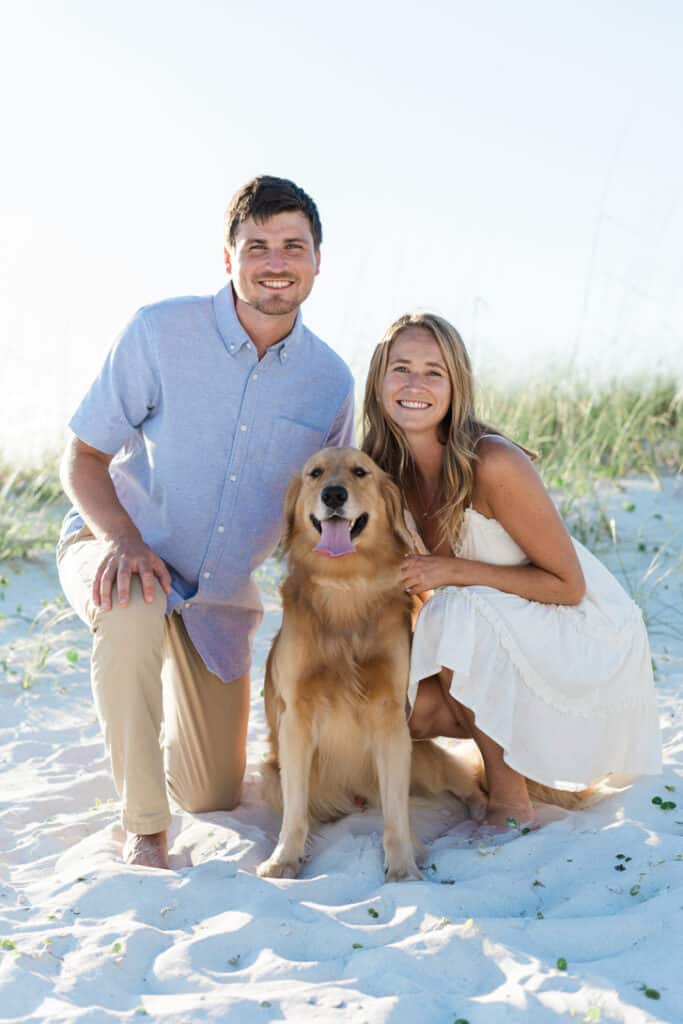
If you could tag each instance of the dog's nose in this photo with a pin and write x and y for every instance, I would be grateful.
(334, 496)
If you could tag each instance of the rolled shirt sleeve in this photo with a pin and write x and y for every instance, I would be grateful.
(124, 394)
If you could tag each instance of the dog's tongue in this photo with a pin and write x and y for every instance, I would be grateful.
(336, 538)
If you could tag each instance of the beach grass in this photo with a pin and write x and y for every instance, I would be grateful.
(582, 431)
(31, 505)
(587, 435)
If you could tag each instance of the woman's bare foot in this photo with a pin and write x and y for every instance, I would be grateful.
(149, 851)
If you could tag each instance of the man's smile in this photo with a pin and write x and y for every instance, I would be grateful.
(276, 284)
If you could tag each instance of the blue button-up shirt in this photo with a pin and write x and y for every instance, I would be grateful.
(205, 438)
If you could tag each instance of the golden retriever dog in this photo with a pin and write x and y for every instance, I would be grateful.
(337, 673)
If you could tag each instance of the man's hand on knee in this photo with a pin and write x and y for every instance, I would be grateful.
(124, 557)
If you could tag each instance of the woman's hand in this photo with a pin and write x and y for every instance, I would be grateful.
(427, 572)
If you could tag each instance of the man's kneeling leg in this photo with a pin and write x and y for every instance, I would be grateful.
(128, 646)
(127, 655)
(205, 727)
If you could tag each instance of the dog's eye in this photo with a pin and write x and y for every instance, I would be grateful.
(359, 471)
(315, 473)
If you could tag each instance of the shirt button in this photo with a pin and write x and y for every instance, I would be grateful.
(284, 355)
(243, 427)
(254, 376)
(232, 348)
(207, 575)
(188, 606)
(233, 477)
(221, 529)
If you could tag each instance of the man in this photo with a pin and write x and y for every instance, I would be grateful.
(180, 456)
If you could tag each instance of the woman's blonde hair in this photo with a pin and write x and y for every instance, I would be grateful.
(460, 429)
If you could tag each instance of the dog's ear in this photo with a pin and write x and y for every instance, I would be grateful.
(288, 514)
(394, 506)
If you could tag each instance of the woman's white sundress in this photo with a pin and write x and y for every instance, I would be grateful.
(566, 690)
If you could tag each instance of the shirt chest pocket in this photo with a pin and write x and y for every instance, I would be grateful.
(290, 444)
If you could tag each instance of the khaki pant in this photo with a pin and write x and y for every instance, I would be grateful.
(186, 737)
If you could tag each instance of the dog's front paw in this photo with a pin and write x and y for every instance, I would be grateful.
(402, 871)
(275, 867)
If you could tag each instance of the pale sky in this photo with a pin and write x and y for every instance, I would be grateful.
(514, 166)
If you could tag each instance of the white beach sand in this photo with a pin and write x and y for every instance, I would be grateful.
(83, 938)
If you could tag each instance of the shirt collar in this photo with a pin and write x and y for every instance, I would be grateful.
(234, 335)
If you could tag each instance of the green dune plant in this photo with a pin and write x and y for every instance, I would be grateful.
(583, 430)
(31, 504)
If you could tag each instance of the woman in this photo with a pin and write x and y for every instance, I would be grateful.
(528, 645)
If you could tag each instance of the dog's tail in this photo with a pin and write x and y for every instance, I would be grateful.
(570, 801)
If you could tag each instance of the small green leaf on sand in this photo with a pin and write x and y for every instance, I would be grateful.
(592, 1015)
(72, 657)
(634, 890)
(539, 915)
(651, 993)
(372, 912)
(561, 964)
(8, 944)
(116, 948)
(357, 945)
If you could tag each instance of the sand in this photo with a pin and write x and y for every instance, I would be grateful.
(578, 921)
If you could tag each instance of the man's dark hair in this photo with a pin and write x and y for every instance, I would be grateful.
(263, 197)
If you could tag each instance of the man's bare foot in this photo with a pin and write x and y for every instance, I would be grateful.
(149, 851)
(510, 814)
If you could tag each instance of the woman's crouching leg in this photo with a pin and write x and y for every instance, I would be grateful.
(434, 714)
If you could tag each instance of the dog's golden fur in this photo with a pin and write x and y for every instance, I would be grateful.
(337, 673)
